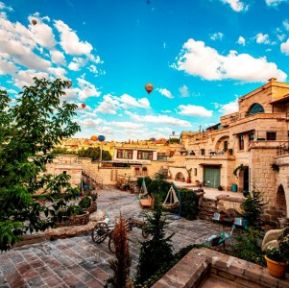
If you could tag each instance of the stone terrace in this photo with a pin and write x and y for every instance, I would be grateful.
(78, 262)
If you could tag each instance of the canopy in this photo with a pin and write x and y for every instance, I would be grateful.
(171, 200)
(143, 190)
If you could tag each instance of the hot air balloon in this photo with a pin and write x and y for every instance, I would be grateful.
(93, 138)
(101, 138)
(34, 21)
(149, 87)
(83, 105)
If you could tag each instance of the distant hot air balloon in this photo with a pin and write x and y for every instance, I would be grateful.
(101, 138)
(149, 87)
(83, 105)
(34, 21)
(93, 138)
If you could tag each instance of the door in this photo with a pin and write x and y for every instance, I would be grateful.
(212, 177)
(246, 179)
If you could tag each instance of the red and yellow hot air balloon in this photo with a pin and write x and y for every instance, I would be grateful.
(83, 105)
(94, 138)
(149, 87)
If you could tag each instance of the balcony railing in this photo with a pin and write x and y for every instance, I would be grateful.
(212, 154)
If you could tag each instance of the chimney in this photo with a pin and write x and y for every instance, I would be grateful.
(272, 80)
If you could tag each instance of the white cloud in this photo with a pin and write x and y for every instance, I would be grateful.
(241, 41)
(198, 59)
(6, 66)
(286, 24)
(159, 119)
(285, 47)
(184, 91)
(228, 108)
(90, 123)
(42, 33)
(77, 63)
(194, 110)
(87, 89)
(217, 36)
(165, 92)
(126, 125)
(129, 101)
(57, 57)
(25, 77)
(70, 41)
(236, 5)
(58, 72)
(109, 105)
(275, 3)
(262, 38)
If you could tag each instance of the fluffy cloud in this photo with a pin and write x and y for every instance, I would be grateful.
(198, 59)
(42, 33)
(6, 66)
(70, 42)
(127, 125)
(228, 108)
(275, 3)
(184, 91)
(262, 38)
(241, 41)
(217, 36)
(237, 5)
(159, 119)
(57, 57)
(285, 47)
(194, 110)
(25, 77)
(165, 92)
(111, 104)
(77, 63)
(87, 89)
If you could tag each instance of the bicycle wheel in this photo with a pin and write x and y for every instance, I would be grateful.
(99, 233)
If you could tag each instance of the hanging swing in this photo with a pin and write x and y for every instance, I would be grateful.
(171, 202)
(145, 199)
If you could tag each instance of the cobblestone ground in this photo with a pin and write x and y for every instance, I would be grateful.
(78, 262)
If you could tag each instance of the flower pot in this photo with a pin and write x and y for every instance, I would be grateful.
(276, 269)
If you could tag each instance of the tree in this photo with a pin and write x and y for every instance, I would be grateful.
(94, 153)
(121, 264)
(28, 132)
(157, 251)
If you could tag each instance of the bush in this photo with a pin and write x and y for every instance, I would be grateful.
(189, 204)
(247, 247)
(157, 251)
(253, 209)
(284, 244)
(85, 202)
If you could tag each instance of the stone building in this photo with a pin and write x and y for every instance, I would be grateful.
(243, 150)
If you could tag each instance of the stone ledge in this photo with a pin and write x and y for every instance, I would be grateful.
(61, 232)
(200, 264)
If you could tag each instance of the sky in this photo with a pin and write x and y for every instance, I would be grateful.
(200, 56)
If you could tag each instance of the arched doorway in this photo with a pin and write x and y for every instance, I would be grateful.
(281, 201)
(180, 177)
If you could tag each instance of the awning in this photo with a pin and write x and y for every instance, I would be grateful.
(210, 165)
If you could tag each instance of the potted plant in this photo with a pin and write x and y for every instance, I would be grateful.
(276, 263)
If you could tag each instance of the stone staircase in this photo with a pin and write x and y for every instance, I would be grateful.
(207, 208)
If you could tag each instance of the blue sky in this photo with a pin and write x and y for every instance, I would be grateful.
(200, 56)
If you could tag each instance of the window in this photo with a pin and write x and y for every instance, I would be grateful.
(251, 136)
(124, 154)
(162, 156)
(195, 171)
(271, 136)
(64, 172)
(145, 155)
(255, 108)
(137, 171)
(241, 142)
(225, 146)
(203, 152)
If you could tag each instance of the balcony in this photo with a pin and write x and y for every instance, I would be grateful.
(210, 154)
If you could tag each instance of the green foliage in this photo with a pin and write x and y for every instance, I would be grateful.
(121, 265)
(275, 255)
(156, 251)
(253, 209)
(94, 153)
(189, 204)
(247, 246)
(284, 244)
(85, 202)
(28, 132)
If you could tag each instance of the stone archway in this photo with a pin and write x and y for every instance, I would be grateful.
(281, 201)
(180, 177)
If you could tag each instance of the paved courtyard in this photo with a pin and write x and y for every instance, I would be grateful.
(78, 262)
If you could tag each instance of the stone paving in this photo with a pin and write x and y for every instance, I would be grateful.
(78, 262)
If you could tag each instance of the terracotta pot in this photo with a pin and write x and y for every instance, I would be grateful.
(276, 269)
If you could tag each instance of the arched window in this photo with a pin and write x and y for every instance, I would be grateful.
(255, 108)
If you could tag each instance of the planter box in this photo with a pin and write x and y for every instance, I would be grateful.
(75, 220)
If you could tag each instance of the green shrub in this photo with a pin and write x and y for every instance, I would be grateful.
(284, 244)
(85, 202)
(189, 204)
(246, 246)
